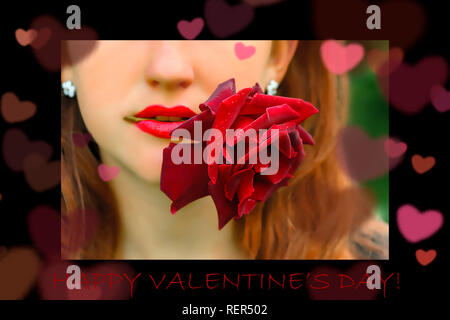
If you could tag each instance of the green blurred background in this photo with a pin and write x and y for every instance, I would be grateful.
(370, 111)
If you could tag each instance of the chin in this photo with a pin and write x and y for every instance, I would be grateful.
(149, 171)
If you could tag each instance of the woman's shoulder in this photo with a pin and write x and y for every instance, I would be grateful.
(371, 240)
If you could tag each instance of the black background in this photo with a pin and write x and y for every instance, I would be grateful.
(425, 133)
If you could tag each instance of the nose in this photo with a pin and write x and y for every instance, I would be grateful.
(169, 68)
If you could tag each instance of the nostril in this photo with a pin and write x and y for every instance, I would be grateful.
(184, 84)
(154, 83)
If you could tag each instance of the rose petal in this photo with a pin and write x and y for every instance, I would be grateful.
(266, 140)
(284, 166)
(306, 137)
(245, 207)
(272, 115)
(255, 89)
(206, 118)
(260, 102)
(229, 110)
(246, 188)
(241, 122)
(195, 180)
(296, 140)
(213, 172)
(284, 140)
(237, 188)
(240, 182)
(264, 189)
(226, 210)
(285, 144)
(260, 166)
(223, 91)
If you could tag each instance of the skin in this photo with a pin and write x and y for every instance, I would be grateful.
(119, 78)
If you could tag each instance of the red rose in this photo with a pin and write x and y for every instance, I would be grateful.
(237, 187)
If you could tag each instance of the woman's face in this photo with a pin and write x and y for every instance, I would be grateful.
(120, 78)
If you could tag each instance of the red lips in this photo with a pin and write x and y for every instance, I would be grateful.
(160, 110)
(162, 127)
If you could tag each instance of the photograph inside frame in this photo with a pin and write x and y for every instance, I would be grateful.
(221, 149)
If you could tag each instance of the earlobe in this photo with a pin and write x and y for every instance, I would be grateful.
(282, 53)
(66, 73)
(66, 64)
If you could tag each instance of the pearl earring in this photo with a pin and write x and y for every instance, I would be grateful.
(68, 88)
(272, 88)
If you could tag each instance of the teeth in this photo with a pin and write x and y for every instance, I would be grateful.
(175, 119)
(162, 118)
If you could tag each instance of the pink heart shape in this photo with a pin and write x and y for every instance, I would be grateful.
(242, 51)
(107, 173)
(190, 30)
(409, 86)
(339, 59)
(440, 98)
(393, 148)
(416, 226)
(362, 157)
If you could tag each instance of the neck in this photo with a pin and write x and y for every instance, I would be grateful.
(150, 231)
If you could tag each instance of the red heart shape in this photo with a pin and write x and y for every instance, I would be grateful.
(425, 257)
(422, 165)
(44, 227)
(40, 174)
(384, 62)
(14, 110)
(337, 290)
(25, 38)
(44, 34)
(334, 20)
(47, 49)
(19, 268)
(52, 282)
(16, 147)
(224, 20)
